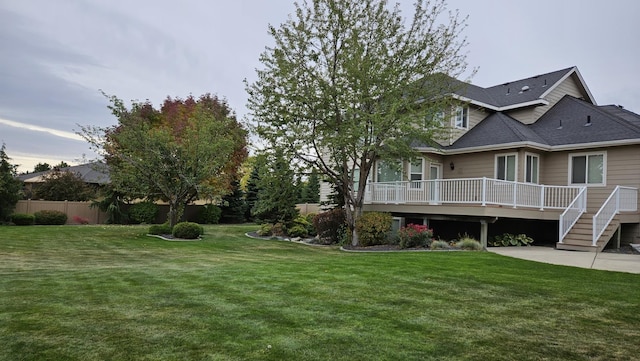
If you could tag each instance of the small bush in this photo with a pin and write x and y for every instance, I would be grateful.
(415, 235)
(508, 239)
(439, 244)
(143, 213)
(297, 231)
(265, 230)
(22, 219)
(50, 217)
(159, 229)
(80, 220)
(279, 230)
(209, 214)
(469, 244)
(187, 230)
(301, 227)
(330, 225)
(373, 228)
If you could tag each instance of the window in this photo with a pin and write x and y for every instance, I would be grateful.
(461, 119)
(416, 172)
(356, 179)
(587, 168)
(434, 119)
(532, 168)
(506, 167)
(389, 171)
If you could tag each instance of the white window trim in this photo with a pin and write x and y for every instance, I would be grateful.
(465, 120)
(527, 154)
(604, 169)
(410, 172)
(495, 165)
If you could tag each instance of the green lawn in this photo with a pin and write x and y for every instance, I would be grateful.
(112, 293)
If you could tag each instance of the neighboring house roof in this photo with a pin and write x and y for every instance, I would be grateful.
(96, 173)
(571, 121)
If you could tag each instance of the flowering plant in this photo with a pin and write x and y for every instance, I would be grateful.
(80, 220)
(415, 235)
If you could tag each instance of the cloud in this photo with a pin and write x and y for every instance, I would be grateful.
(37, 128)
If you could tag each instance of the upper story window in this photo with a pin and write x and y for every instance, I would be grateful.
(532, 168)
(461, 117)
(506, 166)
(387, 171)
(416, 170)
(587, 169)
(434, 119)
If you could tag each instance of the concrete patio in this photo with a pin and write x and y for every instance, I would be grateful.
(595, 260)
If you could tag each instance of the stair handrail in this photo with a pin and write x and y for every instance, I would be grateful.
(572, 213)
(609, 209)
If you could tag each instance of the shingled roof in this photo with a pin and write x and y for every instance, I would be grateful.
(571, 121)
(517, 93)
(95, 173)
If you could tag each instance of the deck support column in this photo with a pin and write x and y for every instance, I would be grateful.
(484, 231)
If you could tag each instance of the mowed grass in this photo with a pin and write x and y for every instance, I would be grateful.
(113, 293)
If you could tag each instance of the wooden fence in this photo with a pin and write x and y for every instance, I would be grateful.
(72, 210)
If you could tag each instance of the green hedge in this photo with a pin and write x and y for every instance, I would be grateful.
(50, 217)
(22, 219)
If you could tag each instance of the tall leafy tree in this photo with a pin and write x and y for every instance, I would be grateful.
(188, 149)
(9, 185)
(60, 185)
(41, 167)
(350, 81)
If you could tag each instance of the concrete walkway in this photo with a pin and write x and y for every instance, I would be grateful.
(601, 261)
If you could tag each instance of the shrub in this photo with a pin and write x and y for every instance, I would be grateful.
(373, 228)
(415, 235)
(80, 220)
(159, 229)
(297, 231)
(209, 214)
(439, 244)
(22, 219)
(469, 244)
(508, 239)
(50, 217)
(301, 227)
(143, 212)
(279, 230)
(187, 230)
(330, 225)
(265, 230)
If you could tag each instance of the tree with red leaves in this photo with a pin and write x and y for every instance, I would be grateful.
(188, 149)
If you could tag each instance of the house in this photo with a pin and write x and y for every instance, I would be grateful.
(535, 156)
(95, 174)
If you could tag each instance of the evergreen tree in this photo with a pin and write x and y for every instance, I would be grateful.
(251, 196)
(313, 188)
(233, 205)
(9, 185)
(276, 193)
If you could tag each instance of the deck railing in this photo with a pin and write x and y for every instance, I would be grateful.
(572, 213)
(622, 199)
(479, 191)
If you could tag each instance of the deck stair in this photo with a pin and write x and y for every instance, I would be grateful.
(580, 237)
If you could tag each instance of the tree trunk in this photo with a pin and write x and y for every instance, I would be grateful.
(173, 214)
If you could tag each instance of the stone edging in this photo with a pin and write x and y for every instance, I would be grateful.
(175, 239)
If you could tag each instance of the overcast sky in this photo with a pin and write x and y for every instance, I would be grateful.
(56, 55)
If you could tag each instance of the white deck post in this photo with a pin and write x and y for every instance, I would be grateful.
(484, 191)
(484, 231)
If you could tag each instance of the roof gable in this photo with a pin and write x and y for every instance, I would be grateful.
(521, 93)
(574, 121)
(496, 129)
